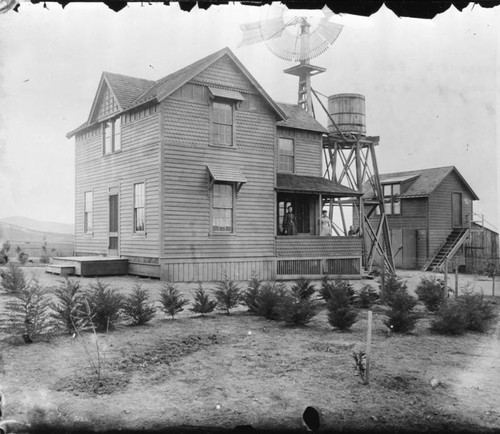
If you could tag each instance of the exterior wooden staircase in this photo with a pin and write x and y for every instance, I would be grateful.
(456, 238)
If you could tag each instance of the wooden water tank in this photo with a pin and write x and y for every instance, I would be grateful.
(348, 112)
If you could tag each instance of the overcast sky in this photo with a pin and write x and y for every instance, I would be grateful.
(431, 86)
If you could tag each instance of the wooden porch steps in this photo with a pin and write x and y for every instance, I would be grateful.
(60, 269)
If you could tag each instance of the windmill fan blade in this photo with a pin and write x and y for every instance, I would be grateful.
(301, 48)
(328, 12)
(264, 30)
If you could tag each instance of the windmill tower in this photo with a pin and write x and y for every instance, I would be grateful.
(349, 155)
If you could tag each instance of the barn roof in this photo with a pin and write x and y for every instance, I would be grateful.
(421, 182)
(312, 184)
(132, 92)
(298, 118)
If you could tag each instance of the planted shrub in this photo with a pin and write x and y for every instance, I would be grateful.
(296, 307)
(228, 295)
(430, 292)
(367, 296)
(401, 316)
(268, 297)
(28, 314)
(13, 279)
(341, 314)
(450, 318)
(202, 303)
(328, 286)
(251, 294)
(303, 288)
(105, 305)
(138, 306)
(392, 285)
(478, 312)
(296, 311)
(171, 300)
(70, 302)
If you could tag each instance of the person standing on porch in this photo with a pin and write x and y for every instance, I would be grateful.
(325, 225)
(289, 225)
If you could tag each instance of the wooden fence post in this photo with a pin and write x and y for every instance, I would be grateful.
(368, 348)
(456, 278)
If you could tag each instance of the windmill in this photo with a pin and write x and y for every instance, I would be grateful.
(349, 155)
(295, 38)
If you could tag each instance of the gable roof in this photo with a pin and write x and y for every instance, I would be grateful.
(422, 182)
(131, 92)
(298, 118)
(126, 89)
(169, 84)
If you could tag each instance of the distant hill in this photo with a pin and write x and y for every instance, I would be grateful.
(31, 240)
(40, 226)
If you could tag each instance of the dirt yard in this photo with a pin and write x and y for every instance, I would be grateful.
(210, 374)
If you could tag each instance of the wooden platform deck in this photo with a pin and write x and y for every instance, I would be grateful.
(88, 266)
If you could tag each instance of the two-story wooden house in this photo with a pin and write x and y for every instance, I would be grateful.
(189, 177)
(429, 212)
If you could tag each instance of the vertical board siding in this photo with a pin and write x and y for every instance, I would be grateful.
(213, 270)
(136, 162)
(440, 210)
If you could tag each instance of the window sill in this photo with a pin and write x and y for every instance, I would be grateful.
(140, 235)
(217, 145)
(112, 153)
(223, 234)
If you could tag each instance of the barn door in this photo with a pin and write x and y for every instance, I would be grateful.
(457, 209)
(113, 225)
(409, 248)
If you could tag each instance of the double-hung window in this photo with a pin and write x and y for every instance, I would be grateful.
(139, 207)
(87, 212)
(223, 208)
(286, 155)
(222, 123)
(112, 136)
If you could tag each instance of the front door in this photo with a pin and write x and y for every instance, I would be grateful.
(457, 210)
(113, 225)
(304, 209)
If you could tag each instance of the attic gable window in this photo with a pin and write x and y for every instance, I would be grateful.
(112, 136)
(223, 105)
(222, 123)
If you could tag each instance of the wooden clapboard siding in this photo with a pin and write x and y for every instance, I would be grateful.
(307, 148)
(186, 198)
(136, 162)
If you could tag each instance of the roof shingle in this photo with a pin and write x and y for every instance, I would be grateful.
(298, 118)
(425, 181)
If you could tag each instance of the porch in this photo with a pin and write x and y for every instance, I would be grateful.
(315, 257)
(88, 266)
